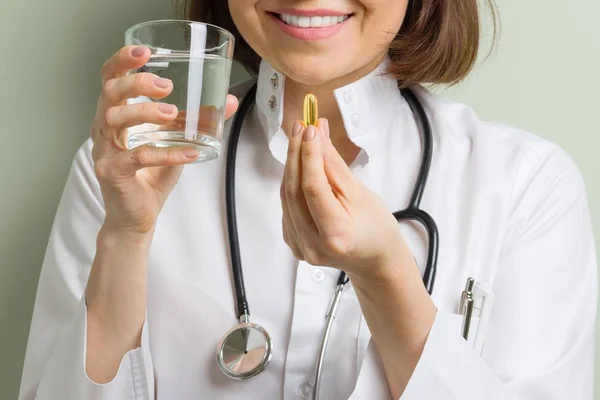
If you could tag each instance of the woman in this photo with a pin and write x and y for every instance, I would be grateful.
(135, 290)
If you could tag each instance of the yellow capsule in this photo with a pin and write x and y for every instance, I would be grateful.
(311, 113)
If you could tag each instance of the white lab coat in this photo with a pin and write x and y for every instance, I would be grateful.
(511, 210)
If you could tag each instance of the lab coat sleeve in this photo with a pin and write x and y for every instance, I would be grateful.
(54, 366)
(540, 338)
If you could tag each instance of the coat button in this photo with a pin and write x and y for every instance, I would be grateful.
(304, 390)
(275, 81)
(273, 103)
(356, 120)
(319, 275)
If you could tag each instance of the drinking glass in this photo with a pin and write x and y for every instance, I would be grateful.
(197, 58)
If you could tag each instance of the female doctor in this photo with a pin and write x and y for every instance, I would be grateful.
(135, 292)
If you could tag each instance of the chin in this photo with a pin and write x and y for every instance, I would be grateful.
(310, 70)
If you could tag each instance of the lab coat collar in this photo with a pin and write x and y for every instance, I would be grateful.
(364, 105)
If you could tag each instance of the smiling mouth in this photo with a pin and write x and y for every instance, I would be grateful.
(311, 22)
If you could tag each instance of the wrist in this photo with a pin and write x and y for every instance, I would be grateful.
(393, 266)
(111, 237)
(379, 275)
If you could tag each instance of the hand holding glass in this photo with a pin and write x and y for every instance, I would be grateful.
(197, 58)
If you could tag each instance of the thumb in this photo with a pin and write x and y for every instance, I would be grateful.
(231, 106)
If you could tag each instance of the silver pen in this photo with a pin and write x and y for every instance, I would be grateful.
(466, 306)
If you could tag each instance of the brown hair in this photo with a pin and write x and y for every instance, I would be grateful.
(438, 42)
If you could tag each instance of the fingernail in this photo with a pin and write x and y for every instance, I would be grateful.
(297, 128)
(309, 133)
(138, 51)
(162, 83)
(166, 108)
(190, 152)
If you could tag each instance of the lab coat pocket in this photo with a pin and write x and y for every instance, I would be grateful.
(482, 305)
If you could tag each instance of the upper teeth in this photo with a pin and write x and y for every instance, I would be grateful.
(311, 22)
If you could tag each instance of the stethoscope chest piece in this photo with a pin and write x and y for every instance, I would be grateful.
(244, 351)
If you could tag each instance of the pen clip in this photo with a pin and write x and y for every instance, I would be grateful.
(466, 306)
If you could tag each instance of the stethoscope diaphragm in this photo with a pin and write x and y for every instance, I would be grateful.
(245, 350)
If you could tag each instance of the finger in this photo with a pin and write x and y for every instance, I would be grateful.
(127, 58)
(127, 163)
(145, 84)
(120, 117)
(290, 236)
(231, 106)
(208, 117)
(296, 202)
(340, 178)
(320, 200)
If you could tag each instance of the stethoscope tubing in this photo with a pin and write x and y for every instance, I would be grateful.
(234, 241)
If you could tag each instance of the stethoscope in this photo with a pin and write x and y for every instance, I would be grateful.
(246, 349)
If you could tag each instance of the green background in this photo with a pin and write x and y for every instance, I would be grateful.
(543, 77)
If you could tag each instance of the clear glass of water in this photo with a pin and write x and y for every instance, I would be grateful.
(197, 58)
